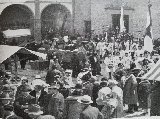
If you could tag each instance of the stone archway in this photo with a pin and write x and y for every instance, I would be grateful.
(55, 18)
(17, 16)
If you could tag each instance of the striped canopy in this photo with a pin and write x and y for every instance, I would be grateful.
(153, 73)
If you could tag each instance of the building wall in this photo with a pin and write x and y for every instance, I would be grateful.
(96, 12)
(99, 17)
(140, 17)
(137, 18)
(81, 13)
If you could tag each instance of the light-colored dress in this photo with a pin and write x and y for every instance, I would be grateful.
(108, 62)
(119, 96)
(103, 98)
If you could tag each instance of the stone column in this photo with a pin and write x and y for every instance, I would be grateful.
(37, 22)
(73, 16)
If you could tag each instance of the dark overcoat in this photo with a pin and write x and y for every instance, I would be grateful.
(155, 98)
(54, 105)
(72, 108)
(50, 77)
(130, 95)
(143, 94)
(41, 100)
(23, 100)
(91, 113)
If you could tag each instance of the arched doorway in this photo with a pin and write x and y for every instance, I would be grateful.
(55, 19)
(16, 16)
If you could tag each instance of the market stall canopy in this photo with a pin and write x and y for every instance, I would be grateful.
(7, 51)
(16, 33)
(153, 73)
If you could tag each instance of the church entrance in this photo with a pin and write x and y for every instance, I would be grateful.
(116, 21)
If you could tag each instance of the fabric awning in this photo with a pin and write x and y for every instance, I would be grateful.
(16, 33)
(153, 73)
(7, 51)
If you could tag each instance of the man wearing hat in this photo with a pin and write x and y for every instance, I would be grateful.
(95, 65)
(50, 77)
(143, 94)
(39, 81)
(9, 112)
(22, 102)
(89, 112)
(130, 94)
(72, 108)
(34, 111)
(24, 82)
(54, 102)
(39, 94)
(4, 100)
(7, 89)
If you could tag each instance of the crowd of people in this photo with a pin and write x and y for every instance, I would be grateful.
(97, 87)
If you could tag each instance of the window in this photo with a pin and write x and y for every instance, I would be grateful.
(87, 27)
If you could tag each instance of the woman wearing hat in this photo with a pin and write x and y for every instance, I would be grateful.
(104, 95)
(95, 65)
(117, 96)
(22, 102)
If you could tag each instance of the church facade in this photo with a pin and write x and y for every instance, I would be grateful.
(78, 16)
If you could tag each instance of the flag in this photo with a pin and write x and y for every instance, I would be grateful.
(122, 20)
(153, 73)
(148, 44)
